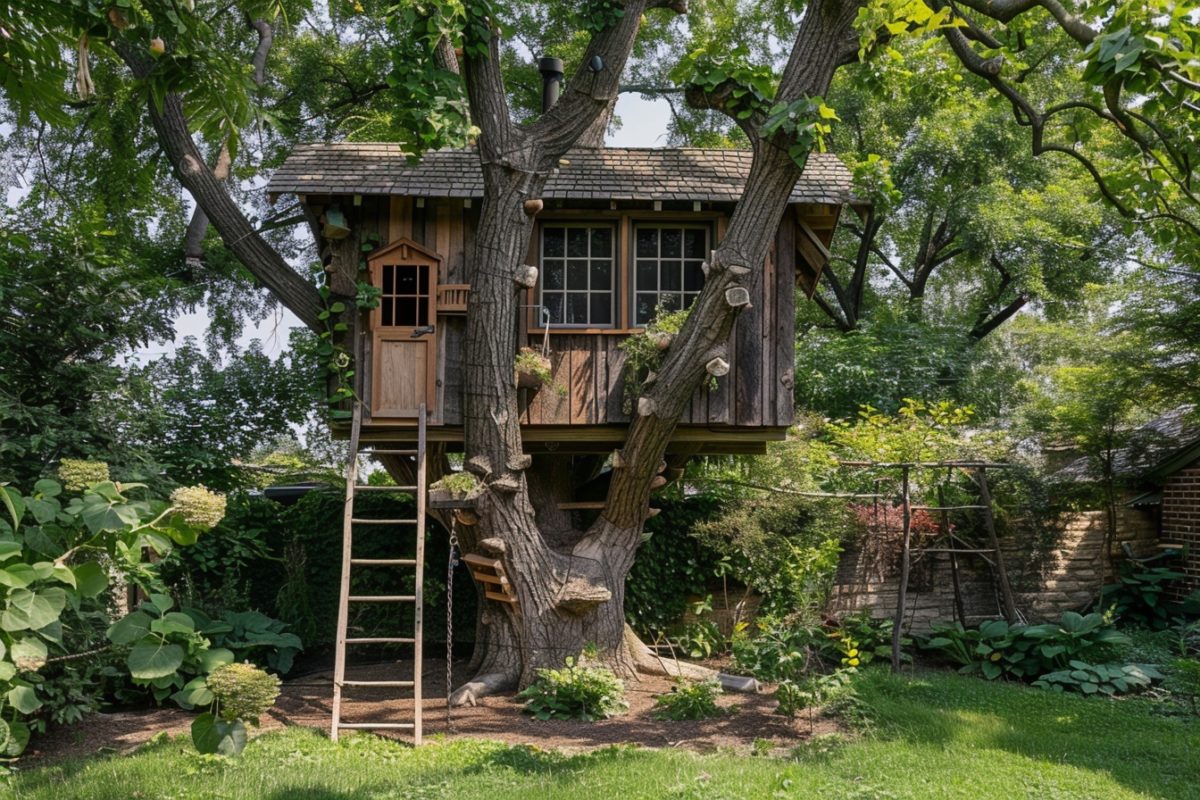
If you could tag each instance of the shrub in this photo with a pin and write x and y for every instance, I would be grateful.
(1110, 679)
(1137, 596)
(250, 636)
(575, 692)
(1185, 681)
(241, 694)
(689, 700)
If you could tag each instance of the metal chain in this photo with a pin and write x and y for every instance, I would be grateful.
(451, 564)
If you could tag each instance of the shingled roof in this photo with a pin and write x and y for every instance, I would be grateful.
(610, 173)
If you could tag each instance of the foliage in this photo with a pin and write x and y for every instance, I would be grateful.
(531, 362)
(1107, 679)
(702, 638)
(241, 694)
(995, 648)
(1184, 679)
(644, 350)
(789, 649)
(672, 565)
(917, 432)
(814, 691)
(458, 484)
(167, 653)
(576, 691)
(689, 700)
(57, 554)
(1137, 596)
(251, 636)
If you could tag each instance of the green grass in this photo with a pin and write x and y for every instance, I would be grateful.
(933, 736)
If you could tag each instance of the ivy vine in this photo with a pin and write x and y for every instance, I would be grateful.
(337, 359)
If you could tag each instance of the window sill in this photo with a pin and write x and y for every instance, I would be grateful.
(557, 331)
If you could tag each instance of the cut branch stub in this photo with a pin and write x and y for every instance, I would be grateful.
(520, 462)
(738, 297)
(618, 459)
(738, 270)
(657, 482)
(508, 484)
(646, 406)
(533, 206)
(479, 466)
(526, 276)
(717, 367)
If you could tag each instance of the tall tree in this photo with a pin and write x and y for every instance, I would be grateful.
(1141, 67)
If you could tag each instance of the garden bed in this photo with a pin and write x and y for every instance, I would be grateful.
(305, 701)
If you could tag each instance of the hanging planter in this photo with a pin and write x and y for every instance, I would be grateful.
(531, 370)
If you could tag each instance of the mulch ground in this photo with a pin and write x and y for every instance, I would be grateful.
(306, 699)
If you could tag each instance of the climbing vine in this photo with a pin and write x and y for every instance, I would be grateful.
(337, 359)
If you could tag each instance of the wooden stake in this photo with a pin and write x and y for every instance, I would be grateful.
(905, 567)
(989, 525)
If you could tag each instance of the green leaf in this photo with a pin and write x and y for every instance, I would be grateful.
(24, 699)
(213, 735)
(14, 504)
(18, 738)
(18, 575)
(34, 610)
(47, 488)
(29, 653)
(173, 622)
(90, 579)
(130, 628)
(194, 693)
(161, 602)
(215, 657)
(9, 550)
(152, 658)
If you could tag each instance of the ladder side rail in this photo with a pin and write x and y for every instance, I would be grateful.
(343, 621)
(419, 588)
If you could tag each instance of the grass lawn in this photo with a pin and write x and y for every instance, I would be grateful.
(932, 736)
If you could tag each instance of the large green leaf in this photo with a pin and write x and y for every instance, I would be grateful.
(213, 735)
(9, 550)
(153, 658)
(29, 653)
(215, 657)
(18, 737)
(129, 628)
(173, 622)
(90, 579)
(34, 610)
(23, 699)
(194, 693)
(47, 488)
(13, 502)
(17, 575)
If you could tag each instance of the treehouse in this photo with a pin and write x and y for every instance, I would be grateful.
(621, 233)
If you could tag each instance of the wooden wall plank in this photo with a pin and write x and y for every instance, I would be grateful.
(614, 358)
(766, 351)
(747, 368)
(783, 337)
(400, 218)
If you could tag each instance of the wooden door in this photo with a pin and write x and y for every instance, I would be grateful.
(404, 344)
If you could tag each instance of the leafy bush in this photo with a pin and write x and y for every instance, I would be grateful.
(783, 649)
(995, 648)
(689, 700)
(1109, 679)
(1184, 680)
(241, 693)
(812, 692)
(1138, 595)
(575, 692)
(251, 636)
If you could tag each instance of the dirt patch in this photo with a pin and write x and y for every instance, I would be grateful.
(306, 701)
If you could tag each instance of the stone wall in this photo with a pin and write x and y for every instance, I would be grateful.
(1050, 571)
(1181, 522)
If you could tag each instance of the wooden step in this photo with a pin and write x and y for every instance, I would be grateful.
(377, 726)
(389, 684)
(384, 562)
(364, 521)
(381, 598)
(381, 640)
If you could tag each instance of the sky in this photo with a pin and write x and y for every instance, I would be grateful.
(643, 124)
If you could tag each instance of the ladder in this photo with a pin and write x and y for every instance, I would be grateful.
(345, 598)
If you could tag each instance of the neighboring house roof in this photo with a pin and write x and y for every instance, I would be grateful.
(609, 173)
(1157, 449)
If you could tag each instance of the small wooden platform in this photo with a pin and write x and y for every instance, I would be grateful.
(490, 573)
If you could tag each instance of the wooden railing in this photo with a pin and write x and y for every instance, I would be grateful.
(452, 298)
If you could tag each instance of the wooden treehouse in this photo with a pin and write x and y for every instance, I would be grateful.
(622, 231)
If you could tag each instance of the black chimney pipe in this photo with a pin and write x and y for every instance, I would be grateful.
(552, 76)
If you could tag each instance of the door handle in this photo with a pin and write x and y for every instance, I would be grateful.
(424, 331)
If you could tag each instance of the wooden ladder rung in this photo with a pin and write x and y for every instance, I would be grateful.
(503, 598)
(483, 561)
(582, 505)
(373, 452)
(384, 562)
(385, 488)
(483, 577)
(389, 684)
(381, 640)
(365, 521)
(377, 726)
(381, 598)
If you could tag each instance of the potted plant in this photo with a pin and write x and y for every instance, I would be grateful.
(531, 370)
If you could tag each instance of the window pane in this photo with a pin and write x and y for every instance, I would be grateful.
(669, 302)
(389, 280)
(577, 308)
(601, 275)
(552, 242)
(554, 303)
(669, 276)
(601, 242)
(647, 276)
(406, 311)
(647, 242)
(577, 242)
(406, 280)
(388, 307)
(672, 242)
(693, 276)
(644, 310)
(695, 242)
(552, 274)
(601, 308)
(423, 280)
(577, 274)
(422, 311)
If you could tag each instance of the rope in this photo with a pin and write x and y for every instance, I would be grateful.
(450, 565)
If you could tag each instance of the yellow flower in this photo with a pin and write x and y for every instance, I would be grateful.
(852, 653)
(854, 662)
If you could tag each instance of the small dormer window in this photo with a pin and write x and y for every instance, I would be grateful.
(577, 274)
(667, 267)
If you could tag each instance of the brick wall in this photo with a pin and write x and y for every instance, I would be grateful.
(1181, 521)
(1048, 577)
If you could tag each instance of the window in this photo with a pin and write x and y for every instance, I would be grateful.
(667, 269)
(577, 272)
(405, 298)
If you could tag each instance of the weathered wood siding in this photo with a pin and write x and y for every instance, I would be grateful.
(588, 367)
